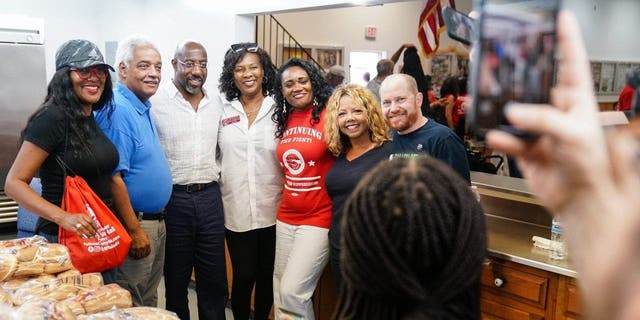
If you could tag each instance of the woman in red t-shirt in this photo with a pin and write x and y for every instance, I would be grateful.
(304, 215)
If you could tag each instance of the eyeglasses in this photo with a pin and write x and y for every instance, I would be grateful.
(85, 73)
(249, 47)
(191, 64)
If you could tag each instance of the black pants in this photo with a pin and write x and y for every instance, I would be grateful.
(195, 241)
(252, 257)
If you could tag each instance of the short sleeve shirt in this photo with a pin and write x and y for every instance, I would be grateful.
(93, 160)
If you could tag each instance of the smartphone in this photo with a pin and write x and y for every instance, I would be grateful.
(459, 25)
(513, 60)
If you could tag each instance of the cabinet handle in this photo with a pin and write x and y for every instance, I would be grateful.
(486, 262)
(498, 282)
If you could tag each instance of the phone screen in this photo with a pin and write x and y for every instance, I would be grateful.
(513, 59)
(459, 25)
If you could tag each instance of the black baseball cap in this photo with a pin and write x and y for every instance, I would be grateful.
(79, 53)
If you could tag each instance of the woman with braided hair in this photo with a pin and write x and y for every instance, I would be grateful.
(413, 244)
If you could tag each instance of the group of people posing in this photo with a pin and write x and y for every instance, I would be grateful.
(269, 165)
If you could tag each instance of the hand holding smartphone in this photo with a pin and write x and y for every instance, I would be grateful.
(513, 60)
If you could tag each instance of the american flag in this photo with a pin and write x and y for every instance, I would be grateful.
(431, 25)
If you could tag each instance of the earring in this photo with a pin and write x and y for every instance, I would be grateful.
(315, 101)
(284, 108)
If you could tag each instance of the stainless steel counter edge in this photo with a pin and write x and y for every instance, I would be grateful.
(533, 263)
(511, 240)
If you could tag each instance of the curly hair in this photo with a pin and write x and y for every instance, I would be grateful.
(338, 142)
(321, 92)
(413, 244)
(60, 93)
(227, 83)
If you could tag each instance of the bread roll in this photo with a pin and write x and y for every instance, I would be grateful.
(73, 304)
(44, 309)
(55, 257)
(30, 290)
(105, 298)
(27, 253)
(92, 280)
(8, 265)
(31, 268)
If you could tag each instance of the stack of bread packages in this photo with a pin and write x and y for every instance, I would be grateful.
(38, 281)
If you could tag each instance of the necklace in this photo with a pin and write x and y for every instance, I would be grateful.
(249, 113)
(255, 110)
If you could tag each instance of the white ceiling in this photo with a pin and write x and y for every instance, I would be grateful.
(253, 7)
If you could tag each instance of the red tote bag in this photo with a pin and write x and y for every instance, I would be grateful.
(109, 247)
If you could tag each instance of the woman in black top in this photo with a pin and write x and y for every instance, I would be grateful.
(64, 127)
(356, 133)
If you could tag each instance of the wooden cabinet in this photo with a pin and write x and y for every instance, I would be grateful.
(568, 304)
(512, 291)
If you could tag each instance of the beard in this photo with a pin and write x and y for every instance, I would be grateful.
(193, 89)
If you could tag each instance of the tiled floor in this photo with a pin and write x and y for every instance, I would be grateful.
(193, 304)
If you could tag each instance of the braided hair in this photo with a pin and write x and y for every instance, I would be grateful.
(321, 92)
(413, 244)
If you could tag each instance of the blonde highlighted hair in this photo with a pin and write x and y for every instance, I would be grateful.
(337, 142)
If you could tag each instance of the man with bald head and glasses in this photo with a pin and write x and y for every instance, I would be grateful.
(187, 119)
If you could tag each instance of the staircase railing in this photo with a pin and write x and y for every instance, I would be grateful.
(274, 38)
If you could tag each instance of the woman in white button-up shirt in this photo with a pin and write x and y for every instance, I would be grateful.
(251, 176)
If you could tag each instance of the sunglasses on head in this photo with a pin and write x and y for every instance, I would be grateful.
(85, 73)
(249, 47)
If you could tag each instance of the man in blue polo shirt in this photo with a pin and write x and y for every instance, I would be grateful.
(143, 177)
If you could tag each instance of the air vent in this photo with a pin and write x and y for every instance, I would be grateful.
(8, 209)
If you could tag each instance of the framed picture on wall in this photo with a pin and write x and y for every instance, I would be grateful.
(607, 74)
(441, 68)
(595, 75)
(328, 57)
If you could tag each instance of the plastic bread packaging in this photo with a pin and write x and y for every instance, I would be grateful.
(103, 298)
(34, 240)
(37, 289)
(5, 298)
(85, 282)
(135, 313)
(43, 309)
(13, 284)
(30, 268)
(55, 258)
(69, 276)
(8, 265)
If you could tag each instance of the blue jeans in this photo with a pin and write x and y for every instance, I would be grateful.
(195, 241)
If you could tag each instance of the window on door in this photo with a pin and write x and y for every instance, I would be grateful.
(362, 62)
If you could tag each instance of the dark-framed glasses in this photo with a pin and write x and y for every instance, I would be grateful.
(191, 64)
(85, 73)
(249, 47)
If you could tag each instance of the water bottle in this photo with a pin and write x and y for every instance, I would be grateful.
(557, 250)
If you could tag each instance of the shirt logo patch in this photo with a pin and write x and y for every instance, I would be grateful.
(230, 120)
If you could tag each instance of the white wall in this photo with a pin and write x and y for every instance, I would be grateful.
(396, 24)
(610, 27)
(166, 22)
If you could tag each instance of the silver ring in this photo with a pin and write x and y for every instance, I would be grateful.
(79, 225)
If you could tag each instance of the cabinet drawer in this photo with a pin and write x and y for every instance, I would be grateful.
(517, 282)
(492, 310)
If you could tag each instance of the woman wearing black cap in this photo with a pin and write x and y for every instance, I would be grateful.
(64, 127)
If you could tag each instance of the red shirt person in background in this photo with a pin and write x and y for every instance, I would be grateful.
(629, 91)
